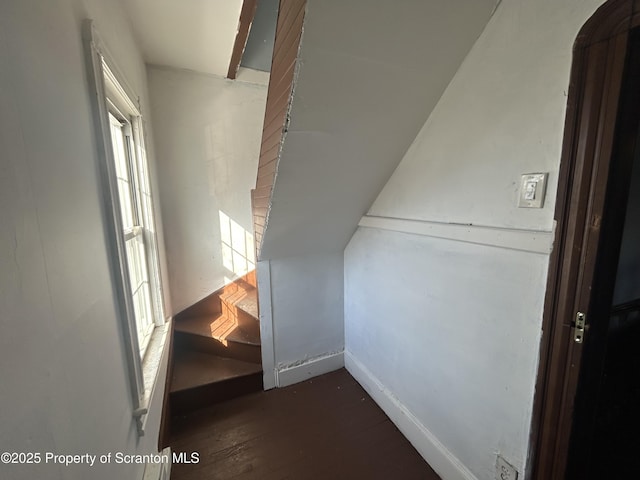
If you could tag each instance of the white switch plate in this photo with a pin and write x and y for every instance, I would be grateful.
(533, 187)
(504, 470)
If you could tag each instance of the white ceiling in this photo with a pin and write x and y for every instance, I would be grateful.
(191, 34)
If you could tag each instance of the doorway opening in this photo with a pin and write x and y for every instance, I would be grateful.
(589, 377)
(606, 417)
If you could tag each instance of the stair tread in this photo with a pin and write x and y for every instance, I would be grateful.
(220, 327)
(194, 369)
(236, 290)
(249, 303)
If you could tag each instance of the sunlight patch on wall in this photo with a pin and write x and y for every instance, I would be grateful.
(237, 246)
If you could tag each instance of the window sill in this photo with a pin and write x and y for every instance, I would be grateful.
(151, 366)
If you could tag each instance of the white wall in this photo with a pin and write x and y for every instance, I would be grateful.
(369, 75)
(208, 132)
(362, 92)
(64, 386)
(301, 311)
(446, 330)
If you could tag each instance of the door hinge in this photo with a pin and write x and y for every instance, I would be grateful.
(578, 327)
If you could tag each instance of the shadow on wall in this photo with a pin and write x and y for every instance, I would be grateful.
(238, 256)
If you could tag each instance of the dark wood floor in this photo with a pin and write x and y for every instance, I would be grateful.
(325, 428)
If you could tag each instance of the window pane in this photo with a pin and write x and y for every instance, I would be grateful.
(147, 212)
(133, 261)
(139, 279)
(144, 322)
(136, 207)
(122, 173)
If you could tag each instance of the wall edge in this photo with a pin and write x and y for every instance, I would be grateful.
(446, 465)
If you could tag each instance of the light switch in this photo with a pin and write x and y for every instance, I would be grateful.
(532, 189)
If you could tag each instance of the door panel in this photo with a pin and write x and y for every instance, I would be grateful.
(600, 55)
(603, 354)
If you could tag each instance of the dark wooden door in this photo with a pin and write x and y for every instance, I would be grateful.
(605, 420)
(601, 123)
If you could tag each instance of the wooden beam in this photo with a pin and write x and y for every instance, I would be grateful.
(247, 14)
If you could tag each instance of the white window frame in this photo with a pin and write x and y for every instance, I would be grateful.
(141, 230)
(111, 94)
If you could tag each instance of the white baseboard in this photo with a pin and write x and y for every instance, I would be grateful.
(161, 469)
(309, 369)
(437, 456)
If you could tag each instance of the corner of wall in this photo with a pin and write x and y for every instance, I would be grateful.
(445, 464)
(301, 317)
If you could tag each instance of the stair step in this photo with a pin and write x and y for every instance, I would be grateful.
(216, 352)
(234, 294)
(200, 380)
(249, 303)
(196, 369)
(210, 305)
(221, 327)
(240, 351)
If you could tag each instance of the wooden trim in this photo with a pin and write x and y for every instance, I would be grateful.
(531, 241)
(596, 78)
(247, 14)
(611, 18)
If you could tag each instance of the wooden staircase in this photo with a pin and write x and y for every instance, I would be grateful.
(216, 349)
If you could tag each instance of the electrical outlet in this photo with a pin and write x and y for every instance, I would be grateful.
(504, 470)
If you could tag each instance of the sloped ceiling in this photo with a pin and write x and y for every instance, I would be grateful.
(191, 34)
(370, 73)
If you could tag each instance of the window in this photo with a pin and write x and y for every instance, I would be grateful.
(135, 227)
(130, 225)
(130, 180)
